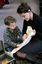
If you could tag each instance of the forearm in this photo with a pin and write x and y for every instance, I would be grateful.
(12, 43)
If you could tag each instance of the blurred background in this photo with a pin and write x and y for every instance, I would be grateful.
(10, 9)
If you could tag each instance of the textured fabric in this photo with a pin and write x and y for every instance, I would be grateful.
(12, 38)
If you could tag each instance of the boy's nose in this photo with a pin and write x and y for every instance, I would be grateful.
(23, 18)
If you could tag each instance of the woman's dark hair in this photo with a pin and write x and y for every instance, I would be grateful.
(23, 8)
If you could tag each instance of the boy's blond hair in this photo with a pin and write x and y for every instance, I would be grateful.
(9, 19)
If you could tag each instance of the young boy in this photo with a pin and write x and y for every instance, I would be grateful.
(12, 34)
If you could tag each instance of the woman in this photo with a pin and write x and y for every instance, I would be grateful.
(35, 21)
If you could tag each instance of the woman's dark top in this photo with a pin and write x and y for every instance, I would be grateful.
(36, 24)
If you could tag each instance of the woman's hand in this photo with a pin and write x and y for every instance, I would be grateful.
(25, 37)
(34, 31)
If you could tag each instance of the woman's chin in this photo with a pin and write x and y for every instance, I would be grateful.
(27, 20)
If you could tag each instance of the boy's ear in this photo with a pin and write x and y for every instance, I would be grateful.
(7, 26)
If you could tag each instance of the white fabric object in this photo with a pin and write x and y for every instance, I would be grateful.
(23, 44)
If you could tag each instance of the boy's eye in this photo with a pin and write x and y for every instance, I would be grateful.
(23, 16)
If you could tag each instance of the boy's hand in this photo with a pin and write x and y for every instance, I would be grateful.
(18, 45)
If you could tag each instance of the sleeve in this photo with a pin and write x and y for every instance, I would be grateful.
(7, 40)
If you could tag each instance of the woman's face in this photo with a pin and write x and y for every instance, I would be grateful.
(25, 16)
